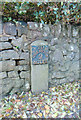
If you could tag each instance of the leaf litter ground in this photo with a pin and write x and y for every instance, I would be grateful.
(61, 101)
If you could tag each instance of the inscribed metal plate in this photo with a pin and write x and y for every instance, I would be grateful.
(40, 54)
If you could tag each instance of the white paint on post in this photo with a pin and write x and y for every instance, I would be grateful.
(39, 66)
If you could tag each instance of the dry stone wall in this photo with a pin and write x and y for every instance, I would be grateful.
(15, 41)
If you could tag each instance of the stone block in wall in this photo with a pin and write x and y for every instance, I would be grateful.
(57, 30)
(25, 74)
(24, 37)
(0, 81)
(7, 81)
(17, 42)
(18, 82)
(26, 47)
(9, 54)
(15, 90)
(64, 80)
(24, 56)
(5, 45)
(22, 28)
(33, 34)
(32, 25)
(75, 31)
(27, 85)
(65, 67)
(54, 82)
(7, 88)
(46, 30)
(21, 68)
(54, 41)
(57, 56)
(58, 75)
(11, 37)
(1, 25)
(3, 75)
(70, 56)
(3, 39)
(9, 28)
(74, 66)
(72, 48)
(77, 56)
(7, 65)
(12, 74)
(69, 33)
(64, 30)
(0, 92)
(24, 62)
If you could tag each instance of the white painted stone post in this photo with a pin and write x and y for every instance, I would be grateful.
(39, 66)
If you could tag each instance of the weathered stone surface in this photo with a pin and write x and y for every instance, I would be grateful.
(57, 56)
(24, 37)
(13, 74)
(32, 25)
(25, 74)
(39, 84)
(5, 45)
(0, 81)
(22, 28)
(7, 65)
(54, 41)
(69, 31)
(4, 38)
(7, 81)
(46, 29)
(25, 47)
(33, 34)
(77, 56)
(64, 52)
(8, 85)
(3, 75)
(65, 67)
(0, 92)
(9, 54)
(66, 46)
(15, 90)
(27, 85)
(6, 88)
(74, 66)
(17, 42)
(21, 68)
(64, 80)
(72, 47)
(11, 37)
(58, 75)
(24, 56)
(24, 62)
(75, 32)
(1, 25)
(57, 32)
(10, 28)
(18, 82)
(71, 56)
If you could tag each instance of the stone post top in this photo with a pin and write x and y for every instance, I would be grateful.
(39, 42)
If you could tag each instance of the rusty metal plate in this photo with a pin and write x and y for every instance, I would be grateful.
(40, 54)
